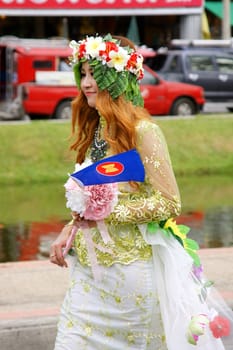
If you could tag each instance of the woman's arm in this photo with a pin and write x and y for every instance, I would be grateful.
(158, 198)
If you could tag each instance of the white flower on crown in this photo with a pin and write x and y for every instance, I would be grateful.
(94, 45)
(118, 59)
(109, 52)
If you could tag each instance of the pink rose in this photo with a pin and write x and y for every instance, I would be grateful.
(96, 213)
(101, 201)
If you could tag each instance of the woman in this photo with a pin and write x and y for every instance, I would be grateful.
(133, 284)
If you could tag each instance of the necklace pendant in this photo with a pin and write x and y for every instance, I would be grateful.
(98, 147)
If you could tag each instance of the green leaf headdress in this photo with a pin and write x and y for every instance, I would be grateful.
(115, 68)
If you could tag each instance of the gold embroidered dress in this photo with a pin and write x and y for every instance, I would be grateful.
(122, 311)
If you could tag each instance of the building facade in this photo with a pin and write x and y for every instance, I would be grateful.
(157, 21)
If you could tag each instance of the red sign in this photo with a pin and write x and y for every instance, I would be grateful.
(96, 4)
(110, 168)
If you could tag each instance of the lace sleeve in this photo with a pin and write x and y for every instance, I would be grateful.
(158, 197)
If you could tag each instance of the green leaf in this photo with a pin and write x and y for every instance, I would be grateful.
(184, 229)
(133, 92)
(98, 69)
(162, 223)
(152, 227)
(208, 284)
(177, 237)
(77, 74)
(104, 76)
(108, 37)
(194, 256)
(119, 86)
(165, 231)
(191, 244)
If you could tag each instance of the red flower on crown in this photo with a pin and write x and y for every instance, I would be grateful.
(81, 50)
(132, 62)
(109, 46)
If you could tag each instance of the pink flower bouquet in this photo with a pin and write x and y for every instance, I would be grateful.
(94, 202)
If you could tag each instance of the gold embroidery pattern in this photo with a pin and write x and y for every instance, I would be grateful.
(99, 316)
(128, 246)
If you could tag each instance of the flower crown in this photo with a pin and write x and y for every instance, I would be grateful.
(115, 68)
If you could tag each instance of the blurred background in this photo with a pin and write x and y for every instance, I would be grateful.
(152, 23)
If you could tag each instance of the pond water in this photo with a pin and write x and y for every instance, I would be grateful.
(33, 215)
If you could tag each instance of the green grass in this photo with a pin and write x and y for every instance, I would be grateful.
(38, 152)
(200, 146)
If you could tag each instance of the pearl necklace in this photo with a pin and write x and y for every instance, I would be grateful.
(98, 146)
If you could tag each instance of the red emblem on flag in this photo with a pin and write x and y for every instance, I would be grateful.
(110, 168)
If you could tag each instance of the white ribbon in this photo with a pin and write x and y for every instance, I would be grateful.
(91, 246)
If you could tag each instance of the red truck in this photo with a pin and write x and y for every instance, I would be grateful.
(52, 93)
(52, 101)
(22, 59)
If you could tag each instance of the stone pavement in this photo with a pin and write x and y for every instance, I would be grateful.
(31, 294)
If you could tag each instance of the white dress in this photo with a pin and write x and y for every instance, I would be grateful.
(120, 312)
(147, 293)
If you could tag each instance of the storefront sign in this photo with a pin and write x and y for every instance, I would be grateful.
(96, 4)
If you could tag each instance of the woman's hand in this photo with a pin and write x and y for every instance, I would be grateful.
(56, 250)
(79, 218)
(76, 216)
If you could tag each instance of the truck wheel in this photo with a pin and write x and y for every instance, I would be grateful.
(183, 106)
(63, 110)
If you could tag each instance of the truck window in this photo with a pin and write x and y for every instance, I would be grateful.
(64, 65)
(37, 64)
(175, 65)
(198, 63)
(225, 64)
(156, 63)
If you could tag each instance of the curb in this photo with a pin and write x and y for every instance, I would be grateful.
(28, 334)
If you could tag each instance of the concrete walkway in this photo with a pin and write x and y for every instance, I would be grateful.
(31, 294)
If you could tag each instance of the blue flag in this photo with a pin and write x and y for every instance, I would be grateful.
(126, 166)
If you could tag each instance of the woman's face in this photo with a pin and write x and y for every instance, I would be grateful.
(88, 84)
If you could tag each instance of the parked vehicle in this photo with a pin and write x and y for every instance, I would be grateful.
(163, 97)
(21, 59)
(209, 67)
(49, 97)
